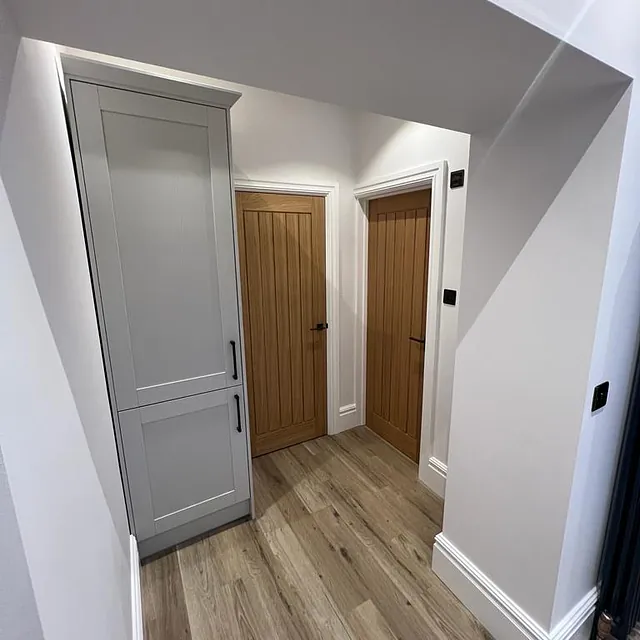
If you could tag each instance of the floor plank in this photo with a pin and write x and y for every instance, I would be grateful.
(367, 622)
(164, 603)
(340, 548)
(332, 568)
(321, 609)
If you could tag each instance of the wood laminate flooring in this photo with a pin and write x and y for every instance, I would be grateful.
(340, 548)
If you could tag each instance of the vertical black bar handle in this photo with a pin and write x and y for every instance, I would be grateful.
(235, 360)
(239, 425)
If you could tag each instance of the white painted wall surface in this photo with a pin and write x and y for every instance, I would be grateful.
(19, 618)
(522, 368)
(77, 567)
(384, 147)
(613, 359)
(606, 29)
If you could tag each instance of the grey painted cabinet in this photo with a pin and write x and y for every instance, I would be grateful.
(157, 198)
(191, 459)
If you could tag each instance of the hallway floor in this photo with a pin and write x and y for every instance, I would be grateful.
(341, 548)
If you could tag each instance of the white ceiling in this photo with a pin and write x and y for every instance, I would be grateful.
(460, 64)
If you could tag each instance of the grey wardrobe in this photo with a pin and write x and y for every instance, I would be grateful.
(153, 166)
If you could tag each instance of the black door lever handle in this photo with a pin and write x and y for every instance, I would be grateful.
(321, 326)
(418, 340)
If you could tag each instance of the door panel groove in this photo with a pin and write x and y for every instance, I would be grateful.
(271, 346)
(294, 313)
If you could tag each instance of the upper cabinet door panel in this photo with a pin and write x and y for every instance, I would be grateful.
(158, 187)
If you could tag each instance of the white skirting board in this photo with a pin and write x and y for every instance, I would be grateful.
(501, 616)
(348, 418)
(136, 590)
(434, 476)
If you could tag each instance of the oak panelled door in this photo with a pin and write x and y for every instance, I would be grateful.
(282, 266)
(396, 316)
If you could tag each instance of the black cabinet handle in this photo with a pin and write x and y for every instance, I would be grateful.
(235, 360)
(239, 425)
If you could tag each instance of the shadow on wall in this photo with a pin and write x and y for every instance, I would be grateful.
(516, 173)
(9, 41)
(18, 600)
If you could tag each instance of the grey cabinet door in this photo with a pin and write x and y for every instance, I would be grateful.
(157, 182)
(185, 459)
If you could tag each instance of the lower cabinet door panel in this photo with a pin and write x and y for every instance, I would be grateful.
(185, 459)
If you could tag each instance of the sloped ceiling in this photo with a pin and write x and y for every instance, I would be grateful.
(460, 64)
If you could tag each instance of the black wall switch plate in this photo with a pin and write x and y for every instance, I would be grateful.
(600, 395)
(457, 179)
(449, 297)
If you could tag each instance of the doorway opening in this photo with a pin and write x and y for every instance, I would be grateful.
(403, 230)
(396, 316)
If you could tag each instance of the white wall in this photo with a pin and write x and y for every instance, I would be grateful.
(55, 430)
(36, 166)
(19, 618)
(384, 147)
(529, 465)
(606, 29)
(613, 359)
(77, 568)
(539, 215)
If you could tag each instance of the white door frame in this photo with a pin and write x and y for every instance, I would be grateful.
(330, 194)
(433, 176)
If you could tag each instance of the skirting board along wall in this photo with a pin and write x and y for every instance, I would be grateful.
(348, 418)
(501, 616)
(435, 477)
(136, 591)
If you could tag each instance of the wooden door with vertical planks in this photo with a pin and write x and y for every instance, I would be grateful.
(282, 266)
(396, 316)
